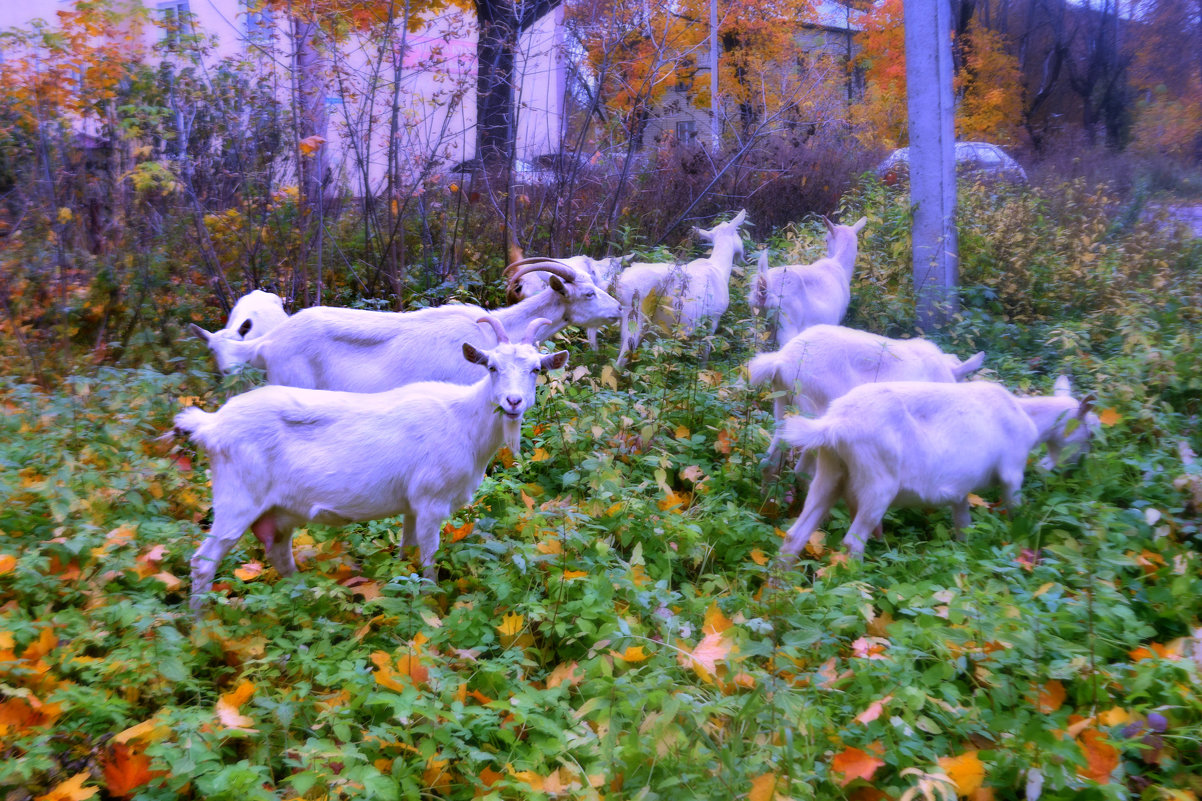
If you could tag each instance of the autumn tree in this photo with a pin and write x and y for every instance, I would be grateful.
(988, 89)
(1168, 82)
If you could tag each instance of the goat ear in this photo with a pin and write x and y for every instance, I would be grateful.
(830, 226)
(1062, 388)
(199, 332)
(556, 284)
(859, 224)
(244, 329)
(473, 355)
(555, 360)
(969, 365)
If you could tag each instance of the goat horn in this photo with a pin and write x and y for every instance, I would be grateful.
(556, 268)
(502, 337)
(513, 266)
(532, 330)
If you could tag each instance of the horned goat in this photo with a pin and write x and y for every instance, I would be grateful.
(254, 315)
(825, 362)
(364, 351)
(794, 297)
(601, 272)
(916, 443)
(670, 295)
(282, 457)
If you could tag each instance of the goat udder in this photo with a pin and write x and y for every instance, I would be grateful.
(265, 529)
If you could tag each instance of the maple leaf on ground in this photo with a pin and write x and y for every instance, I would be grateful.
(126, 769)
(230, 704)
(633, 653)
(1051, 697)
(714, 647)
(966, 771)
(7, 563)
(852, 763)
(1101, 757)
(567, 673)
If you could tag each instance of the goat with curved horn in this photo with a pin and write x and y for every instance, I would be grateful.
(498, 329)
(530, 337)
(561, 271)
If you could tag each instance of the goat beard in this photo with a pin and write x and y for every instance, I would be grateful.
(511, 434)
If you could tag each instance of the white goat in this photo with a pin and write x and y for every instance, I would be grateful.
(916, 443)
(365, 351)
(825, 362)
(601, 272)
(254, 315)
(794, 297)
(282, 457)
(670, 295)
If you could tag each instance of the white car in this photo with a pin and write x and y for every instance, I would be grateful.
(977, 159)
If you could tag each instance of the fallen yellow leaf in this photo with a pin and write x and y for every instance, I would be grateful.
(1109, 417)
(966, 771)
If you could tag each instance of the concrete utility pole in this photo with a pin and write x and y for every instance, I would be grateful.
(932, 159)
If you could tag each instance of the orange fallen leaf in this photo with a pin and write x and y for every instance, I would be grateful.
(1101, 757)
(229, 707)
(763, 787)
(1109, 417)
(457, 533)
(976, 500)
(7, 563)
(146, 730)
(852, 763)
(723, 443)
(549, 547)
(759, 557)
(715, 621)
(126, 769)
(633, 653)
(714, 647)
(966, 771)
(540, 455)
(511, 624)
(574, 574)
(1051, 697)
(249, 571)
(565, 674)
(874, 710)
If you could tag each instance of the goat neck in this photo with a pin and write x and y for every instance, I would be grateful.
(547, 304)
(725, 247)
(844, 248)
(1048, 413)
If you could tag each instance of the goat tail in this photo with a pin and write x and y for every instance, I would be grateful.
(803, 432)
(191, 423)
(762, 369)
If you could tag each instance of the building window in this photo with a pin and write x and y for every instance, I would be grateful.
(260, 22)
(174, 15)
(686, 130)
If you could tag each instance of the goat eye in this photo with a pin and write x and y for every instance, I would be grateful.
(492, 369)
(590, 294)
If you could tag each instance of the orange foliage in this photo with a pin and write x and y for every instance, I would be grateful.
(852, 763)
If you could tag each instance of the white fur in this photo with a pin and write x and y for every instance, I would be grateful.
(919, 444)
(670, 295)
(282, 457)
(366, 351)
(254, 315)
(794, 297)
(601, 272)
(825, 362)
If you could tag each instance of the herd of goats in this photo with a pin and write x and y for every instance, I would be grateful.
(372, 414)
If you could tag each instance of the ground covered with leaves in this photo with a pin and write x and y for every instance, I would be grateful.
(606, 623)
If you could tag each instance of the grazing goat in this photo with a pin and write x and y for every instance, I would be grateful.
(825, 362)
(797, 296)
(915, 443)
(601, 272)
(365, 351)
(254, 315)
(670, 295)
(282, 457)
